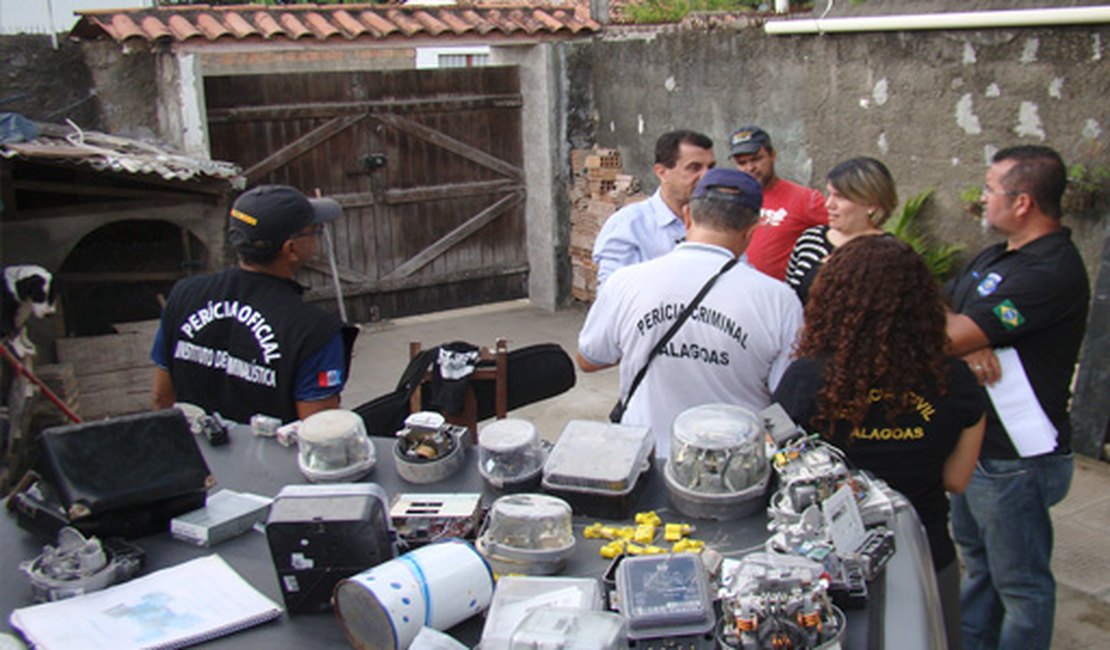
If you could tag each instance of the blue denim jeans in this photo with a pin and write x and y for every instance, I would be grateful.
(1002, 525)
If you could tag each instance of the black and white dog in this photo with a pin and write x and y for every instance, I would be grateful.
(28, 291)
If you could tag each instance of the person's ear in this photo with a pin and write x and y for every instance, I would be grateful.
(1024, 204)
(289, 249)
(659, 169)
(687, 218)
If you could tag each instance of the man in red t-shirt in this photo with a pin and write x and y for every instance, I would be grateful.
(788, 208)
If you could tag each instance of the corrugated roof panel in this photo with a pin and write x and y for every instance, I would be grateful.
(103, 152)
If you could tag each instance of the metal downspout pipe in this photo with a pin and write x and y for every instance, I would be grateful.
(963, 20)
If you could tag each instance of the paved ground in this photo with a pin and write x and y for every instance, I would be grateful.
(1082, 557)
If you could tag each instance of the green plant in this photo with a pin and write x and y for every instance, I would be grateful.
(669, 11)
(904, 225)
(1086, 186)
(969, 198)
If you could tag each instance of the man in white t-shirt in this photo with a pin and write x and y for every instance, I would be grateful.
(736, 343)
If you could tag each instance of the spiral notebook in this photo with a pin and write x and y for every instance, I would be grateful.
(173, 608)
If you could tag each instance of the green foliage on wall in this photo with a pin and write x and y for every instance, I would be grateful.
(670, 11)
(904, 225)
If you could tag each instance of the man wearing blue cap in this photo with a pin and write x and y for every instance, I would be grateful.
(243, 341)
(736, 342)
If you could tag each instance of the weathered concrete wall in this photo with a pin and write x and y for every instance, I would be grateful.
(934, 106)
(45, 84)
(127, 81)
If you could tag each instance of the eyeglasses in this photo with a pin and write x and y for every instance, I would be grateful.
(987, 191)
(313, 231)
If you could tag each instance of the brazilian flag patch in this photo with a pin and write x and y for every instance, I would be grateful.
(1010, 317)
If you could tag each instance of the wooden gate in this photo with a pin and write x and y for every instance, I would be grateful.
(426, 163)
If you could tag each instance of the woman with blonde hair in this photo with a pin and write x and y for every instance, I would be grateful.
(870, 375)
(861, 197)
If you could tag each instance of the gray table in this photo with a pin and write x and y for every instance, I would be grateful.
(262, 466)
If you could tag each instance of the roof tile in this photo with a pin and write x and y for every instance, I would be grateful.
(208, 25)
(239, 25)
(294, 28)
(355, 22)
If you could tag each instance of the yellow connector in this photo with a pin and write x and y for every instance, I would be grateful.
(688, 546)
(675, 532)
(593, 531)
(612, 549)
(649, 517)
(645, 534)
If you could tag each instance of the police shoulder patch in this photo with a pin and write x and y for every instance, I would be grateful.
(989, 284)
(1008, 315)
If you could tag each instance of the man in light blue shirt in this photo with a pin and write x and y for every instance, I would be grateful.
(645, 230)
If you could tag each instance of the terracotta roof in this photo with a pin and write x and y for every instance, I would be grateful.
(69, 145)
(324, 22)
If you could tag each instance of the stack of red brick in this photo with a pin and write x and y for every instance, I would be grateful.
(600, 188)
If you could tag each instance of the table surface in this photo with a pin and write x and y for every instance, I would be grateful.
(262, 466)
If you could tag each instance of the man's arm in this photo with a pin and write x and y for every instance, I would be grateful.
(960, 464)
(589, 366)
(305, 409)
(968, 341)
(161, 393)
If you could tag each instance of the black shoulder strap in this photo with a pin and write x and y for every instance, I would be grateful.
(677, 324)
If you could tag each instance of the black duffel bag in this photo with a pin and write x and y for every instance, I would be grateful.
(534, 373)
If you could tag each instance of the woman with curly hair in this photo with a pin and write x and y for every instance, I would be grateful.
(870, 376)
(861, 197)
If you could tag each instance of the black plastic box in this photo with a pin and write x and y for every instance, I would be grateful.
(320, 534)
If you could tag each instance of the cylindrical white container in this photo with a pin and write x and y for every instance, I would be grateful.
(438, 586)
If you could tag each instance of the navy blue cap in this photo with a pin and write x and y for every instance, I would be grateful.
(730, 185)
(748, 140)
(264, 217)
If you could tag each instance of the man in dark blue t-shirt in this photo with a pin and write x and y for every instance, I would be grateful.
(243, 341)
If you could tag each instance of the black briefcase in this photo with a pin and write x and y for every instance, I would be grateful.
(119, 477)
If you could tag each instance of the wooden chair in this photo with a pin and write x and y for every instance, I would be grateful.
(492, 366)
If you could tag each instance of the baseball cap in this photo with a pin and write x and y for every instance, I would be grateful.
(730, 185)
(747, 140)
(264, 217)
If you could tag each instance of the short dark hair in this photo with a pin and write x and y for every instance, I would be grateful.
(256, 255)
(666, 147)
(1038, 171)
(721, 214)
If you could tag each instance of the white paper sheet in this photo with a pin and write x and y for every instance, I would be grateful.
(1015, 402)
(172, 608)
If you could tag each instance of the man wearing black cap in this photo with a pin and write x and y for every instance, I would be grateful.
(243, 341)
(788, 208)
(735, 344)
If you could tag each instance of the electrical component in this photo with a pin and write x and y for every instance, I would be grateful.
(774, 601)
(424, 518)
(78, 566)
